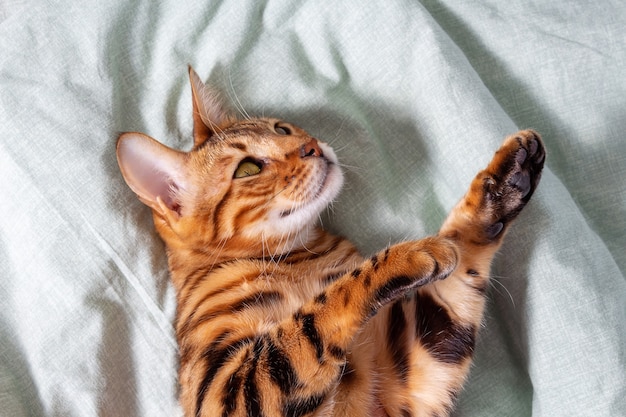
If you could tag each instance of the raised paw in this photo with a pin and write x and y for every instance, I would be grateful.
(517, 166)
(510, 179)
(500, 192)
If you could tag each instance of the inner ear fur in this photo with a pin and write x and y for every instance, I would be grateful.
(155, 172)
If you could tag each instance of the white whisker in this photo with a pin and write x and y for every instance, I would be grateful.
(496, 280)
(236, 100)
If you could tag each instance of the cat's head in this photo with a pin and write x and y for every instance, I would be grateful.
(246, 184)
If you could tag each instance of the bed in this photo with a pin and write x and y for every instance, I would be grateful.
(414, 96)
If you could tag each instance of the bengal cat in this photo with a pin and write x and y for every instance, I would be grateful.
(277, 317)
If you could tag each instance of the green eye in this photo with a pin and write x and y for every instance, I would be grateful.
(247, 168)
(282, 130)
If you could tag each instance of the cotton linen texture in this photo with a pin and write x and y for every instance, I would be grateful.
(414, 96)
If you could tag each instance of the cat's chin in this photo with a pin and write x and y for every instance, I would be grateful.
(285, 223)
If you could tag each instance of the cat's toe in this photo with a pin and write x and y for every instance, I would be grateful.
(516, 168)
(511, 178)
(529, 159)
(499, 192)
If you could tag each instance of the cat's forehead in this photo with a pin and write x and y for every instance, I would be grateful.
(261, 127)
(261, 133)
(248, 127)
(255, 137)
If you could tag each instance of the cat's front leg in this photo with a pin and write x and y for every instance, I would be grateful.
(495, 198)
(318, 338)
(446, 315)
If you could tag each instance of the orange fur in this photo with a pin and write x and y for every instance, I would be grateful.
(277, 317)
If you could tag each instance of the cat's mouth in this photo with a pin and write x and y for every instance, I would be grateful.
(329, 181)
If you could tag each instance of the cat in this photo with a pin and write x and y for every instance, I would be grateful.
(277, 317)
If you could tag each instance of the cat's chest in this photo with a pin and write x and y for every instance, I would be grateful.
(289, 287)
(298, 285)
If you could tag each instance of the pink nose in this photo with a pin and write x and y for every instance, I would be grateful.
(311, 149)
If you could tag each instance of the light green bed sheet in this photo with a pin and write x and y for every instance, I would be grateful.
(415, 97)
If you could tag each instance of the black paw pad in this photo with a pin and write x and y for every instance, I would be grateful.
(521, 181)
(494, 230)
(512, 178)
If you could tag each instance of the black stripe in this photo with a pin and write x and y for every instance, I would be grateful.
(280, 368)
(446, 340)
(374, 260)
(217, 213)
(243, 128)
(367, 282)
(185, 327)
(393, 288)
(258, 299)
(190, 284)
(321, 298)
(436, 268)
(231, 391)
(251, 393)
(330, 278)
(215, 358)
(397, 340)
(303, 406)
(238, 145)
(337, 352)
(195, 277)
(311, 253)
(309, 330)
(346, 298)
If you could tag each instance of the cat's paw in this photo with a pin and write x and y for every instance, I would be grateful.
(510, 180)
(409, 265)
(432, 258)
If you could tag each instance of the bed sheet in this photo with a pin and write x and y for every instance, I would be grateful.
(415, 97)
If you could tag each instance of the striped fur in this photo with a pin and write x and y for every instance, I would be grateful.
(277, 317)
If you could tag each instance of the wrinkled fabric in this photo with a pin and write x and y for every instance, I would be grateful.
(414, 96)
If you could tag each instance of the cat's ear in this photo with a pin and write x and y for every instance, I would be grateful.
(156, 173)
(209, 112)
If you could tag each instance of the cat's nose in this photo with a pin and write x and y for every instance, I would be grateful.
(312, 148)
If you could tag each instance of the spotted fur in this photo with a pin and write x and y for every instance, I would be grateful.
(277, 317)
